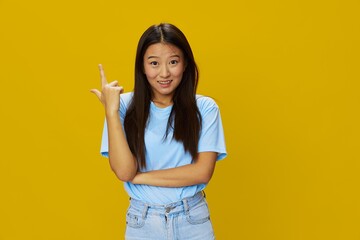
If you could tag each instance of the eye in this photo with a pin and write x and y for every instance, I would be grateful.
(173, 62)
(154, 63)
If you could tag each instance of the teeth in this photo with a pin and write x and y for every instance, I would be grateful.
(164, 82)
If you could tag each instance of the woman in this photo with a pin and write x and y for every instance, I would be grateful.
(163, 140)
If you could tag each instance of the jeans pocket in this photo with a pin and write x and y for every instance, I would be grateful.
(134, 219)
(198, 214)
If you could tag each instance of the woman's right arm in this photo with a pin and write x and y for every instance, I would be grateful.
(121, 159)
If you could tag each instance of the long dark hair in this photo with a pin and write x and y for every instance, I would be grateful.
(185, 118)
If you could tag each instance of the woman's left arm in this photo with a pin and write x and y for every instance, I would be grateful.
(199, 172)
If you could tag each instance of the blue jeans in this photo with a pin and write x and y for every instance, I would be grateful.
(188, 219)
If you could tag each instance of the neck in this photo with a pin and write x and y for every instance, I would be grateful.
(163, 101)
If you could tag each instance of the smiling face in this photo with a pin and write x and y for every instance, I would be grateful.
(164, 65)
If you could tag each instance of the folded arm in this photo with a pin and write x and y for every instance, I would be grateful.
(200, 172)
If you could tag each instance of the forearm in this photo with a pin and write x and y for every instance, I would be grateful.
(199, 172)
(121, 159)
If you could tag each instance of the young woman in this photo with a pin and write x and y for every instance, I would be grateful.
(163, 140)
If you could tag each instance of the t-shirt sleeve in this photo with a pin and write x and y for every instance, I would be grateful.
(212, 133)
(104, 149)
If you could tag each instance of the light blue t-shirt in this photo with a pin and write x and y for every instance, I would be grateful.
(166, 153)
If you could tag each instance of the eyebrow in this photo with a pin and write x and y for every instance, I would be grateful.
(175, 55)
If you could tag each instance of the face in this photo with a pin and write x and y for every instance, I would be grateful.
(164, 65)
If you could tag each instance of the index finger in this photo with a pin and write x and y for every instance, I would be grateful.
(102, 76)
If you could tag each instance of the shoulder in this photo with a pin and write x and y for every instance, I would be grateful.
(125, 98)
(205, 103)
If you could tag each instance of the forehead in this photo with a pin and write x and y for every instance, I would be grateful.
(162, 50)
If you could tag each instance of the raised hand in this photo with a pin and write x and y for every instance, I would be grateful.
(109, 95)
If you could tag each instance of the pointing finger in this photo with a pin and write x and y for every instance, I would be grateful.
(102, 76)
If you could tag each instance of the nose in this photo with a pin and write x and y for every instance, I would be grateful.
(164, 71)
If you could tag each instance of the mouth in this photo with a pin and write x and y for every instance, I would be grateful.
(165, 82)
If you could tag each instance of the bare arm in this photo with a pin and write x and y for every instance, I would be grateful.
(199, 172)
(121, 159)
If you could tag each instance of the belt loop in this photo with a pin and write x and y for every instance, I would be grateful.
(186, 206)
(204, 194)
(146, 207)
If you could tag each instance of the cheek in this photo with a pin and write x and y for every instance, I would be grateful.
(178, 73)
(150, 73)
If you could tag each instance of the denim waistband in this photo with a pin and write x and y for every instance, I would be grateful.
(182, 205)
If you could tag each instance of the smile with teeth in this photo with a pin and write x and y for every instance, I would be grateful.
(165, 82)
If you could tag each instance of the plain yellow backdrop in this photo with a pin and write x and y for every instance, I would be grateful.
(284, 73)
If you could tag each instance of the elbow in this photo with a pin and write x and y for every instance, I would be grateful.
(204, 178)
(124, 172)
(124, 176)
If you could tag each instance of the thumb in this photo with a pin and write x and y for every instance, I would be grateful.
(97, 93)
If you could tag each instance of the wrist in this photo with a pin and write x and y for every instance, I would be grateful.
(111, 113)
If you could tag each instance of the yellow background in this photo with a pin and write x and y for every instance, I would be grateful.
(284, 73)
